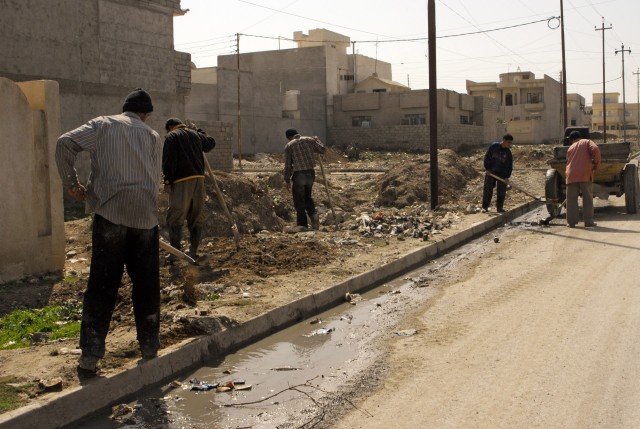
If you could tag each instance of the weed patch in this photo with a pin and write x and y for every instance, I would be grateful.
(21, 327)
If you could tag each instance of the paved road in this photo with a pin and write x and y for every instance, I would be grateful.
(539, 330)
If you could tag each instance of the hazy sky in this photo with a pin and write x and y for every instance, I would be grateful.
(533, 42)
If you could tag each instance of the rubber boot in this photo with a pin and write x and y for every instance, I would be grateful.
(195, 235)
(175, 236)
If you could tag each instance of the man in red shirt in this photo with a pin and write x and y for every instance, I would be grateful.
(583, 157)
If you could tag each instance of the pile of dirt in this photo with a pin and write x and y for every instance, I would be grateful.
(409, 182)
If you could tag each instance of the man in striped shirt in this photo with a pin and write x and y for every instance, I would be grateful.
(122, 192)
(299, 164)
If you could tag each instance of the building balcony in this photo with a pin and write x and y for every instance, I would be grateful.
(534, 107)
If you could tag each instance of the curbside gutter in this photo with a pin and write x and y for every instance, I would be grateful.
(76, 404)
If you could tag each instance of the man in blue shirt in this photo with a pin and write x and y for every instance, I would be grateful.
(499, 162)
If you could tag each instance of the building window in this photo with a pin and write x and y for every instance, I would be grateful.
(573, 122)
(346, 77)
(414, 119)
(379, 90)
(508, 100)
(464, 119)
(287, 115)
(534, 97)
(605, 100)
(609, 113)
(361, 121)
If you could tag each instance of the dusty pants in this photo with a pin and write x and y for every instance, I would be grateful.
(501, 192)
(573, 213)
(186, 201)
(301, 187)
(113, 248)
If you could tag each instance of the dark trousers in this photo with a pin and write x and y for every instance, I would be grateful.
(114, 247)
(501, 188)
(301, 186)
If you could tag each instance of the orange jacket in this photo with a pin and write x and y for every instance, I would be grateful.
(583, 157)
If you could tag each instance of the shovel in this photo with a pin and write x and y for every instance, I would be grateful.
(326, 186)
(223, 203)
(516, 187)
(175, 252)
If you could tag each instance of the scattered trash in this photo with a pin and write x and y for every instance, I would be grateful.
(496, 239)
(352, 298)
(347, 317)
(285, 368)
(175, 384)
(66, 351)
(321, 331)
(316, 320)
(203, 387)
(53, 385)
(406, 332)
(120, 410)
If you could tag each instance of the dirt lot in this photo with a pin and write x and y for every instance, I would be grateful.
(382, 205)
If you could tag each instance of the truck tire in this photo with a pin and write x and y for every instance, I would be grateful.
(631, 188)
(553, 192)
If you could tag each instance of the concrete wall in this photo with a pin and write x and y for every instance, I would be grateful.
(32, 227)
(98, 51)
(265, 79)
(410, 138)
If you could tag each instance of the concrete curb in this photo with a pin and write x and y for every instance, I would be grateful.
(75, 404)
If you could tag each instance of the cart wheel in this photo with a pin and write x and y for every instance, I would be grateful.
(553, 192)
(631, 188)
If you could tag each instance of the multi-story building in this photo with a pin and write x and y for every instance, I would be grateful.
(276, 90)
(530, 108)
(617, 115)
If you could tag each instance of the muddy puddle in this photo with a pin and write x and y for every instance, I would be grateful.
(288, 379)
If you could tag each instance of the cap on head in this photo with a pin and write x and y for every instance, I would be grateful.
(171, 123)
(290, 132)
(138, 101)
(575, 135)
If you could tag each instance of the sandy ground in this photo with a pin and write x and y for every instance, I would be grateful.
(539, 331)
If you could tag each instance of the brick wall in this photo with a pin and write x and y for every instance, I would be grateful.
(183, 73)
(410, 138)
(221, 157)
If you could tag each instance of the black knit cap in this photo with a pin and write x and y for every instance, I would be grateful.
(574, 135)
(290, 132)
(138, 101)
(172, 122)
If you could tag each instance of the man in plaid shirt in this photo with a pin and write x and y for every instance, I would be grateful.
(299, 164)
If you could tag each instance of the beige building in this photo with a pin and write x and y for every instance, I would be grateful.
(288, 88)
(530, 108)
(615, 117)
(399, 120)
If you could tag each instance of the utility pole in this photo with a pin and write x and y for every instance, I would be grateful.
(565, 116)
(638, 104)
(604, 92)
(624, 98)
(239, 135)
(433, 103)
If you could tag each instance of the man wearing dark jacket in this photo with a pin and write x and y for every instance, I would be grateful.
(497, 161)
(183, 169)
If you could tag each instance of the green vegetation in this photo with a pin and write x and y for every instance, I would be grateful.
(17, 328)
(13, 393)
(212, 297)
